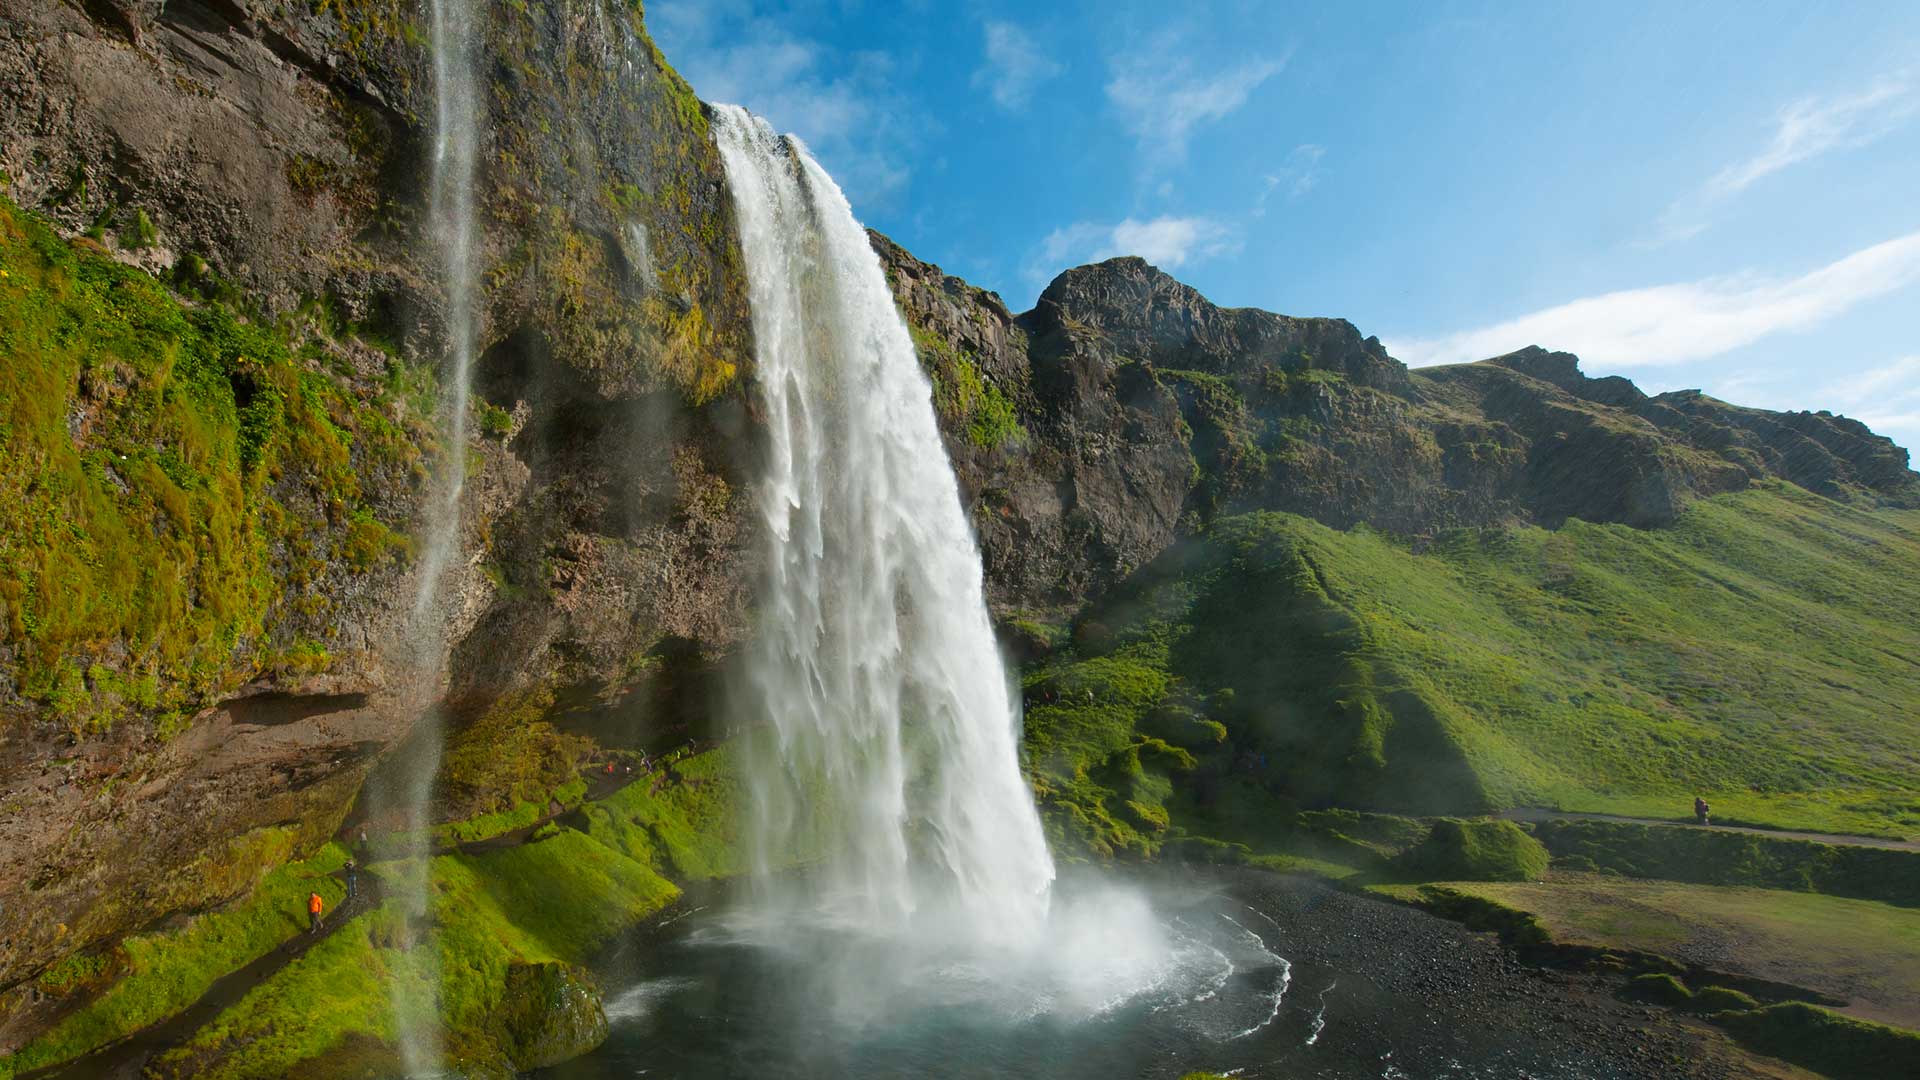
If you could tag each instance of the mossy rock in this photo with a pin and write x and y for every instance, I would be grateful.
(1714, 999)
(550, 1013)
(1658, 988)
(1492, 850)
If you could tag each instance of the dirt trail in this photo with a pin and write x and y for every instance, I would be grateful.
(1529, 813)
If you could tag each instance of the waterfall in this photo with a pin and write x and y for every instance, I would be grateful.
(415, 990)
(885, 735)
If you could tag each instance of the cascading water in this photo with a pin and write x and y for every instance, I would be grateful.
(456, 136)
(906, 919)
(889, 742)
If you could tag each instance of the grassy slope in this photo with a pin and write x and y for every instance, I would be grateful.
(165, 971)
(558, 899)
(1759, 652)
(1861, 951)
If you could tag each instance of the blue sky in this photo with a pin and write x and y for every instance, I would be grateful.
(1726, 197)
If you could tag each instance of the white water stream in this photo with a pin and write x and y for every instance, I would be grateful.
(889, 738)
(415, 991)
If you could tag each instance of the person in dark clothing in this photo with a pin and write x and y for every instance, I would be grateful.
(1700, 810)
(314, 903)
(353, 881)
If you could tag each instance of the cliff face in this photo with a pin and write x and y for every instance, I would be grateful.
(1144, 411)
(269, 162)
(209, 495)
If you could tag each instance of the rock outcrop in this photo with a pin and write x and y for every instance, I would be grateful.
(1144, 411)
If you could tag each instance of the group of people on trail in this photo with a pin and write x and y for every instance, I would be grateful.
(317, 904)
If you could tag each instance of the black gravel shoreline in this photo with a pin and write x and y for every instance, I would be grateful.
(1410, 995)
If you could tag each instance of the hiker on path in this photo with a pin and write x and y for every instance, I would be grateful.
(353, 882)
(1700, 809)
(314, 904)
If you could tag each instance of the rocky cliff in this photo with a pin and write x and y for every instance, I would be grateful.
(1138, 411)
(224, 321)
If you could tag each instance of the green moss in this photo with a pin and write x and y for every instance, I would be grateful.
(558, 900)
(501, 771)
(140, 442)
(962, 393)
(1475, 851)
(166, 971)
(140, 232)
(685, 821)
(1659, 988)
(495, 422)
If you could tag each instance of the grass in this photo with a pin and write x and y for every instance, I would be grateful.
(1458, 850)
(1826, 1042)
(165, 971)
(689, 827)
(1856, 950)
(1710, 857)
(556, 901)
(1757, 652)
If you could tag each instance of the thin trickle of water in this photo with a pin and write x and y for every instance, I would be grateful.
(887, 735)
(415, 992)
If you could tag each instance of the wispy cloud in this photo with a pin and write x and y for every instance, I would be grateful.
(1167, 242)
(848, 106)
(1885, 398)
(1014, 66)
(1162, 99)
(1804, 129)
(1296, 177)
(1811, 127)
(1668, 324)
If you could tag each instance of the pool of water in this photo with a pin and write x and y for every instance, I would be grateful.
(1204, 982)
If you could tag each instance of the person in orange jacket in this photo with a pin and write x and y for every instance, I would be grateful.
(314, 904)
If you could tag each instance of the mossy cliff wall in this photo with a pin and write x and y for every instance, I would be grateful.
(222, 328)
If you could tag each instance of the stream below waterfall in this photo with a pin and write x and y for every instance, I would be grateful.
(1265, 976)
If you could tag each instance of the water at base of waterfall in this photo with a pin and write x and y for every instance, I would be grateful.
(725, 998)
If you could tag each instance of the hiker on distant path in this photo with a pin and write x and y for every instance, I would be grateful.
(353, 882)
(1700, 809)
(362, 848)
(314, 904)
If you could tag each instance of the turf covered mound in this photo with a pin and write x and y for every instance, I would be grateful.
(1457, 850)
(1826, 1042)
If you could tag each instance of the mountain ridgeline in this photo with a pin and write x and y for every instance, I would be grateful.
(1252, 566)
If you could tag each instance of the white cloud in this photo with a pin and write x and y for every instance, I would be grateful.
(1163, 100)
(1811, 127)
(1667, 324)
(1167, 242)
(847, 106)
(1886, 398)
(1014, 66)
(1298, 176)
(1804, 129)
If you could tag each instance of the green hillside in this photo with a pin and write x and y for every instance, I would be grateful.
(1763, 652)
